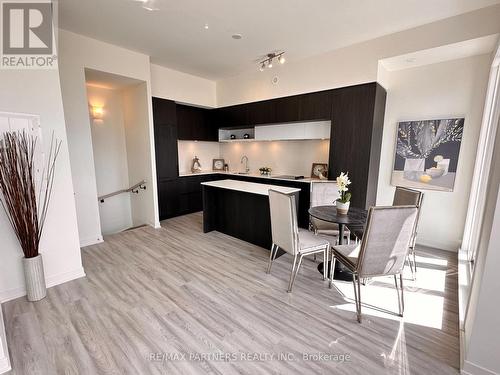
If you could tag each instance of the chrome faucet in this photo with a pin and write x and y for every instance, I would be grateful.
(245, 158)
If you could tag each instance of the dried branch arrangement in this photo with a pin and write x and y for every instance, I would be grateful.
(25, 209)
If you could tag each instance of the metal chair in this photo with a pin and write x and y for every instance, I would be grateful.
(402, 197)
(289, 237)
(383, 249)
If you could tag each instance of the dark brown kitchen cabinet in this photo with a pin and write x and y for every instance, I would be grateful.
(232, 116)
(287, 109)
(315, 106)
(194, 124)
(263, 112)
(356, 114)
(181, 195)
(165, 130)
(356, 138)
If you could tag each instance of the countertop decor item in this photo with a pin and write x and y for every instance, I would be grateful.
(26, 201)
(344, 201)
(218, 164)
(196, 165)
(427, 153)
(265, 171)
(319, 170)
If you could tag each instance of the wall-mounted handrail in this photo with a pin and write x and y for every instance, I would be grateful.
(134, 189)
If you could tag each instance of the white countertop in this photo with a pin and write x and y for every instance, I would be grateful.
(249, 187)
(305, 180)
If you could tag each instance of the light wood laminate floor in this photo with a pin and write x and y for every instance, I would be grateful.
(152, 296)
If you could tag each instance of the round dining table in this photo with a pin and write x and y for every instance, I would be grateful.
(355, 218)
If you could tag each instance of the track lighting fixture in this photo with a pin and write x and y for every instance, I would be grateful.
(270, 58)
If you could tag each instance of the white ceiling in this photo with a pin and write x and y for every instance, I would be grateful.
(468, 48)
(175, 35)
(103, 80)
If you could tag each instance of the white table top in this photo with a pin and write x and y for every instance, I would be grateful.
(249, 187)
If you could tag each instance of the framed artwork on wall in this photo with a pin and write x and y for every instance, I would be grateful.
(427, 153)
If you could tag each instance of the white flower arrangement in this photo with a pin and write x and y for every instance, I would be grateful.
(342, 183)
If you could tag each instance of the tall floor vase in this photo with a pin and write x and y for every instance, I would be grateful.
(35, 278)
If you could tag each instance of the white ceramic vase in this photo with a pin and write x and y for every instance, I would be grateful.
(342, 208)
(35, 278)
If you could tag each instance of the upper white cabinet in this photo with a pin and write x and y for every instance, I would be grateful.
(293, 131)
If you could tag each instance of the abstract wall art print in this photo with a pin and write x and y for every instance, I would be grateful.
(427, 153)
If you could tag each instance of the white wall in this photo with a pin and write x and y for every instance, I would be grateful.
(76, 53)
(483, 326)
(186, 88)
(110, 159)
(206, 151)
(38, 92)
(284, 157)
(354, 64)
(138, 134)
(453, 88)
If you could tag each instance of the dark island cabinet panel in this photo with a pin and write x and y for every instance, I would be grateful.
(165, 130)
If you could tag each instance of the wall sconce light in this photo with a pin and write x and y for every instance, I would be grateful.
(97, 112)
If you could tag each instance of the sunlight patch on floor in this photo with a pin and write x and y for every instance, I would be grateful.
(420, 308)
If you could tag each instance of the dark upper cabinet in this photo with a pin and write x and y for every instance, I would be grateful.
(233, 116)
(194, 124)
(287, 109)
(165, 130)
(263, 112)
(315, 106)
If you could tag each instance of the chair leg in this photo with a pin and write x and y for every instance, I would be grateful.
(332, 270)
(271, 257)
(295, 270)
(408, 260)
(400, 293)
(325, 263)
(357, 295)
(414, 262)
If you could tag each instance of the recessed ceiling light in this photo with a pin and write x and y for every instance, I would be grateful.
(206, 26)
(236, 36)
(411, 59)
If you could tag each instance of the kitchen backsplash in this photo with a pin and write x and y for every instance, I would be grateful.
(206, 151)
(284, 157)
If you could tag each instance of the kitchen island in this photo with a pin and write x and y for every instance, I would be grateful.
(240, 209)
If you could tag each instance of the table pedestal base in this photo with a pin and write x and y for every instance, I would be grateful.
(340, 273)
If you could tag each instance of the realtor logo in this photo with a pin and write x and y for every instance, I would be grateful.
(28, 35)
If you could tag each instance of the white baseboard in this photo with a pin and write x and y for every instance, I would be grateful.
(473, 369)
(51, 281)
(90, 241)
(4, 365)
(4, 351)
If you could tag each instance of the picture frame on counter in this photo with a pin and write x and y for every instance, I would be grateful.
(218, 164)
(319, 170)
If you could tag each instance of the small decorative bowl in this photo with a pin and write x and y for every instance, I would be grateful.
(435, 172)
